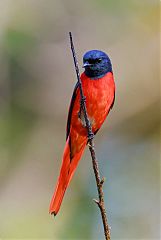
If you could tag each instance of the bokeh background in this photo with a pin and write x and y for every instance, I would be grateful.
(36, 82)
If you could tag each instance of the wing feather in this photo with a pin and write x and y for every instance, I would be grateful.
(71, 109)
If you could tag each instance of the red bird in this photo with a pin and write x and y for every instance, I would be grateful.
(99, 89)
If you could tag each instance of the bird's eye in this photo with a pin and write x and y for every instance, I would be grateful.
(99, 60)
(94, 61)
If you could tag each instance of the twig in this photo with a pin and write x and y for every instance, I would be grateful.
(99, 181)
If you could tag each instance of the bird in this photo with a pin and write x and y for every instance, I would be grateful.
(99, 90)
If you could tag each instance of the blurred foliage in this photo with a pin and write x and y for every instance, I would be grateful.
(17, 42)
(17, 120)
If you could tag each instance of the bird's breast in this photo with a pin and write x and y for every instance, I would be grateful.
(99, 96)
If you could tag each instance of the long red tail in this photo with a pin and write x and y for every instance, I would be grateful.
(67, 170)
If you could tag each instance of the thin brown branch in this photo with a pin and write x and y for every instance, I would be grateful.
(99, 181)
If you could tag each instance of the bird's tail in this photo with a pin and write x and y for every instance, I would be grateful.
(66, 173)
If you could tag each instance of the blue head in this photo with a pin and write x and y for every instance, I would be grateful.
(96, 64)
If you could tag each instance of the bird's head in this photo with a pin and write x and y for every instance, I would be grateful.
(96, 64)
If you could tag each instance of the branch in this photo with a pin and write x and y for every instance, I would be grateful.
(99, 181)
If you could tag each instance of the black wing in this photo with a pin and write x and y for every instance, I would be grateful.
(71, 109)
(113, 101)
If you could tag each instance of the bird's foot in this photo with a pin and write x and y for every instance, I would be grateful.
(82, 101)
(90, 136)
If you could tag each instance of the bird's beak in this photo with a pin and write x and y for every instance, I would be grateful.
(86, 64)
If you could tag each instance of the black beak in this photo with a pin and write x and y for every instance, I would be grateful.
(86, 64)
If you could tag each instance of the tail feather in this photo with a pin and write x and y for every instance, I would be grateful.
(66, 173)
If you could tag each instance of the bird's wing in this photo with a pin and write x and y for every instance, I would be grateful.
(112, 101)
(71, 109)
